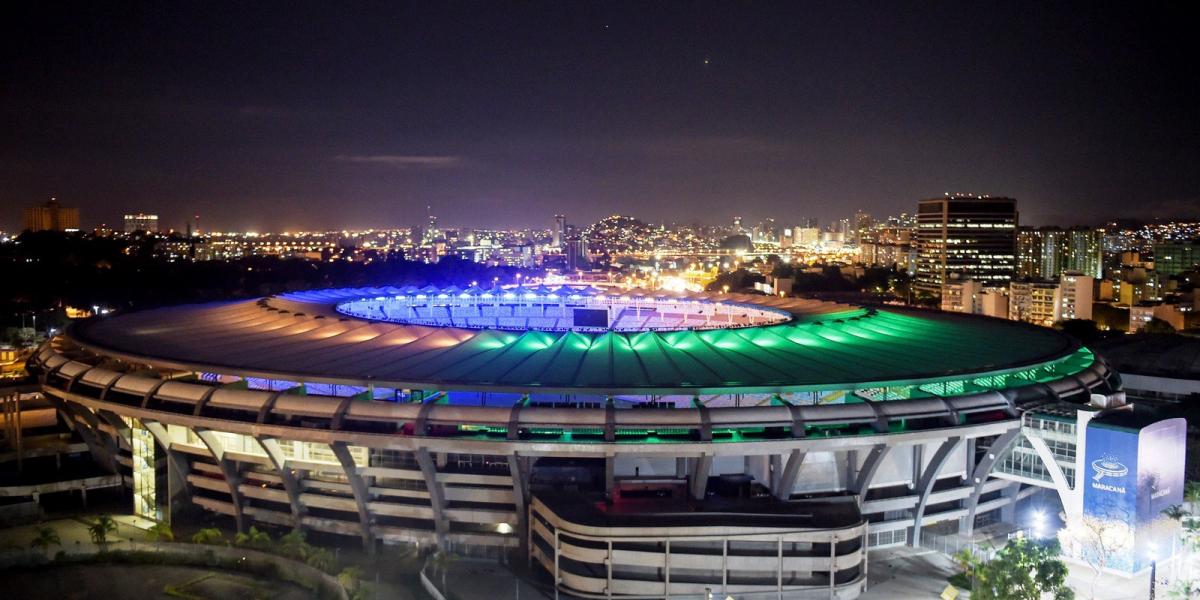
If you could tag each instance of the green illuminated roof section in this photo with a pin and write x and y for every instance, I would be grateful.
(884, 354)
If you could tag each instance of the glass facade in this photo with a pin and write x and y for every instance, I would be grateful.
(145, 475)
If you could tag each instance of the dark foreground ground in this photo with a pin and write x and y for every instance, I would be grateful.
(144, 582)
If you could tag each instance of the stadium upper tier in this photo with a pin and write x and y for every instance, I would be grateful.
(801, 346)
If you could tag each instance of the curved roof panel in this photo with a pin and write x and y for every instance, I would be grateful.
(302, 337)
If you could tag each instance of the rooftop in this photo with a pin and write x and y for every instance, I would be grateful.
(302, 337)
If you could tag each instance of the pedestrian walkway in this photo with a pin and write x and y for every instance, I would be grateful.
(479, 579)
(907, 573)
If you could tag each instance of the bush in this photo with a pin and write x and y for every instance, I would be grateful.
(210, 536)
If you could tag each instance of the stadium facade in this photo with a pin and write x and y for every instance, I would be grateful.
(631, 444)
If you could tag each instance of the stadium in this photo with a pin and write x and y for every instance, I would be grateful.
(627, 443)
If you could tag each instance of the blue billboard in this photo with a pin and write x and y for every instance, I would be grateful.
(1131, 475)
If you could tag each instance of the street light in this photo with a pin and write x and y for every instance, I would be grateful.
(1039, 524)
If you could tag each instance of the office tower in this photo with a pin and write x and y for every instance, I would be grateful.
(51, 216)
(1173, 258)
(141, 222)
(559, 231)
(963, 238)
(862, 224)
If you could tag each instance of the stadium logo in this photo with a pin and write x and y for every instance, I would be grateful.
(1108, 467)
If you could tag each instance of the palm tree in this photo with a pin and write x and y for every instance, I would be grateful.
(292, 545)
(46, 537)
(99, 530)
(441, 561)
(349, 579)
(1191, 493)
(259, 540)
(1175, 512)
(320, 558)
(160, 532)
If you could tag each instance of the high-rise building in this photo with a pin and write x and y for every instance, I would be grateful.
(963, 238)
(559, 231)
(1048, 252)
(51, 216)
(862, 224)
(887, 244)
(577, 252)
(806, 236)
(1085, 251)
(141, 222)
(1173, 258)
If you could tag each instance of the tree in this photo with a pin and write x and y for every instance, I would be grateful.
(46, 537)
(1191, 493)
(1099, 541)
(1157, 325)
(255, 539)
(441, 561)
(1175, 512)
(99, 530)
(1186, 585)
(350, 578)
(969, 562)
(210, 536)
(1024, 569)
(320, 558)
(292, 545)
(160, 532)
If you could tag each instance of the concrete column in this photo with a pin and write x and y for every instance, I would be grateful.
(981, 472)
(698, 485)
(290, 483)
(918, 457)
(862, 482)
(518, 470)
(362, 495)
(610, 478)
(775, 468)
(851, 467)
(229, 470)
(438, 503)
(925, 485)
(787, 481)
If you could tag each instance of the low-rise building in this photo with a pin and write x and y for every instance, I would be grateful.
(1034, 301)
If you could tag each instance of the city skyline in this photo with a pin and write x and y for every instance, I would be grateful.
(292, 119)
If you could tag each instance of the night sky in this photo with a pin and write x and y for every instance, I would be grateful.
(280, 116)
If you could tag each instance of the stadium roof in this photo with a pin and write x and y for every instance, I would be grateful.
(302, 337)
